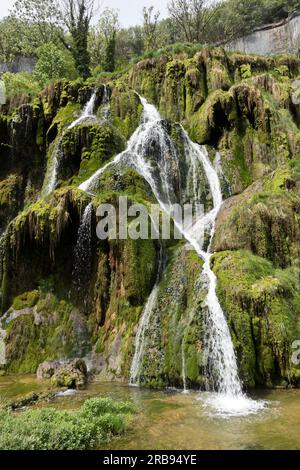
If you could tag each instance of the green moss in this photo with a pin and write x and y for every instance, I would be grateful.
(176, 326)
(218, 76)
(140, 262)
(8, 190)
(54, 336)
(295, 166)
(65, 116)
(215, 113)
(87, 148)
(262, 304)
(26, 300)
(254, 222)
(126, 109)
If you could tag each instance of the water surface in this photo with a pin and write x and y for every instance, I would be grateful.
(172, 420)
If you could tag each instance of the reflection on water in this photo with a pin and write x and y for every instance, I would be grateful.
(173, 420)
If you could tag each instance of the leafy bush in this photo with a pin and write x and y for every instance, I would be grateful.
(53, 64)
(48, 429)
(19, 84)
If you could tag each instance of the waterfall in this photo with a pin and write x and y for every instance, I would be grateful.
(87, 113)
(219, 351)
(54, 172)
(149, 117)
(106, 105)
(140, 338)
(185, 389)
(83, 251)
(57, 156)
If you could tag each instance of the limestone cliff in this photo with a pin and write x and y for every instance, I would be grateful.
(238, 105)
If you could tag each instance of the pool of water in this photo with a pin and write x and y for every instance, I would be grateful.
(172, 420)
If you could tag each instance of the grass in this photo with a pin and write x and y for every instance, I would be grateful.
(95, 423)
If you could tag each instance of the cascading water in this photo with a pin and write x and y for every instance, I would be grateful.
(83, 251)
(105, 112)
(149, 117)
(87, 113)
(221, 360)
(56, 160)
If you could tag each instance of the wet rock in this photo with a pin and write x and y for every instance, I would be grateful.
(30, 399)
(71, 374)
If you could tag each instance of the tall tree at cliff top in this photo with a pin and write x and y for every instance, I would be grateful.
(77, 15)
(44, 15)
(51, 17)
(193, 18)
(108, 27)
(150, 27)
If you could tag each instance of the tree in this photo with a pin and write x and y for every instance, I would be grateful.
(103, 40)
(110, 54)
(51, 19)
(45, 15)
(15, 38)
(77, 15)
(150, 27)
(53, 63)
(108, 28)
(192, 17)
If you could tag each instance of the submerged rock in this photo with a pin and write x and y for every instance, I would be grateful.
(32, 398)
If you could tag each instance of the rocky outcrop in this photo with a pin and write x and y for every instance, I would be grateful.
(70, 374)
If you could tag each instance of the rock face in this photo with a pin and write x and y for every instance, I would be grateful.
(241, 107)
(280, 38)
(70, 374)
(20, 64)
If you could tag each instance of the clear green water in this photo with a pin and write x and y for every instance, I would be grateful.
(172, 420)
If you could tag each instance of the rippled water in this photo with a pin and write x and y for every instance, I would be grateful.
(173, 420)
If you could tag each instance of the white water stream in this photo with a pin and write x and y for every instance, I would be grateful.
(222, 370)
(87, 114)
(83, 250)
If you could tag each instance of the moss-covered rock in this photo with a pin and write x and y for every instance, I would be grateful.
(263, 219)
(125, 108)
(52, 330)
(262, 305)
(173, 337)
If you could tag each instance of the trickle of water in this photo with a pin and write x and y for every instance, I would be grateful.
(106, 104)
(56, 161)
(185, 389)
(83, 251)
(140, 338)
(222, 366)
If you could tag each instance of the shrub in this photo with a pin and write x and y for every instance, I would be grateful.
(53, 64)
(17, 84)
(48, 429)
